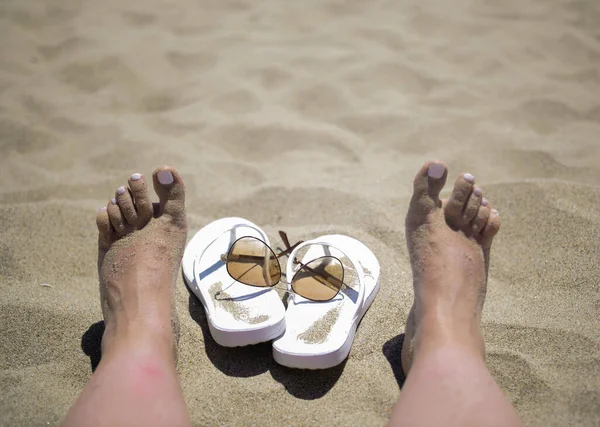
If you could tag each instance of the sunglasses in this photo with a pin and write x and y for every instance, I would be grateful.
(252, 262)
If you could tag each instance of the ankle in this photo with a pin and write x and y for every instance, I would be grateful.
(134, 338)
(438, 331)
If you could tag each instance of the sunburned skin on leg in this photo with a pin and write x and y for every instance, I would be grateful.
(140, 245)
(147, 376)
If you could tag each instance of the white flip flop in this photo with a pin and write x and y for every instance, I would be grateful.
(237, 314)
(319, 335)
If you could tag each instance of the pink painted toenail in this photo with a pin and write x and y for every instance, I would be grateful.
(121, 190)
(165, 177)
(477, 192)
(136, 176)
(469, 177)
(113, 201)
(436, 170)
(102, 209)
(484, 202)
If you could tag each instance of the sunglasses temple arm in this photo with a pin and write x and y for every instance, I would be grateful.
(284, 238)
(290, 250)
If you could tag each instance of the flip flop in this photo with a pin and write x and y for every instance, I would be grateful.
(319, 334)
(237, 314)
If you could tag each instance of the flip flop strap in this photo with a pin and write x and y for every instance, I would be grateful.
(353, 260)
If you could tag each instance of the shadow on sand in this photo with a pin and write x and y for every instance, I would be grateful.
(392, 350)
(91, 343)
(257, 359)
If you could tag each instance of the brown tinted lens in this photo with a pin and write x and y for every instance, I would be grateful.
(253, 263)
(320, 279)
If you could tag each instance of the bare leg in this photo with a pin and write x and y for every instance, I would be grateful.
(139, 253)
(443, 354)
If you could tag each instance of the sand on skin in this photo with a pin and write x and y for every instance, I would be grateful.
(310, 117)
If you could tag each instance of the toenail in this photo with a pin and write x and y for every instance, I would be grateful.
(477, 192)
(495, 212)
(136, 176)
(469, 177)
(436, 170)
(113, 201)
(165, 177)
(484, 202)
(121, 190)
(102, 209)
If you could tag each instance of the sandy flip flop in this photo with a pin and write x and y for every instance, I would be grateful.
(319, 334)
(237, 314)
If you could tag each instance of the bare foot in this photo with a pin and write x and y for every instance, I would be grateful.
(140, 246)
(449, 245)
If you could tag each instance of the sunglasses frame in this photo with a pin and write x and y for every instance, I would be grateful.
(225, 258)
(301, 266)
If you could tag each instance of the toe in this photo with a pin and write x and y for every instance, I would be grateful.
(105, 230)
(480, 219)
(428, 183)
(125, 203)
(168, 184)
(460, 195)
(143, 204)
(491, 228)
(116, 217)
(472, 206)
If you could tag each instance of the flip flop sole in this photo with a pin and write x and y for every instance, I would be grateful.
(319, 335)
(237, 314)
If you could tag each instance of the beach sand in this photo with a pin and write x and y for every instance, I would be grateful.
(311, 117)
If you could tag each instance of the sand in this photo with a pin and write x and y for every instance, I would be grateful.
(311, 117)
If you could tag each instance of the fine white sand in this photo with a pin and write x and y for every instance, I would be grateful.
(311, 117)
